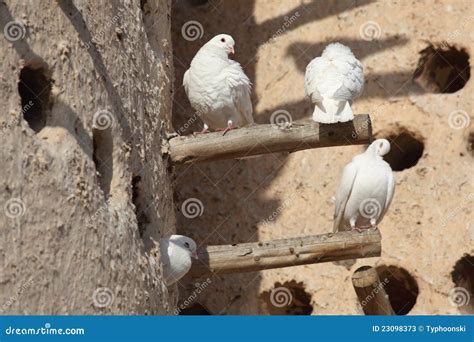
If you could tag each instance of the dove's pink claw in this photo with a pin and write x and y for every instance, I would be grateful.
(228, 128)
(204, 130)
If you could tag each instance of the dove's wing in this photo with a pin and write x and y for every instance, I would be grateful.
(310, 79)
(390, 192)
(343, 192)
(352, 79)
(240, 86)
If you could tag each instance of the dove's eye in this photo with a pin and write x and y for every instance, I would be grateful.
(186, 245)
(223, 40)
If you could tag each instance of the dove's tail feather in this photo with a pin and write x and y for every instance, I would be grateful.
(331, 111)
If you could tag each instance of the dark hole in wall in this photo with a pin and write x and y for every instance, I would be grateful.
(34, 87)
(405, 150)
(463, 277)
(289, 298)
(140, 203)
(470, 143)
(400, 286)
(194, 309)
(443, 69)
(102, 144)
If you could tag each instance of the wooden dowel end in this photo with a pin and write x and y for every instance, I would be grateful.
(371, 292)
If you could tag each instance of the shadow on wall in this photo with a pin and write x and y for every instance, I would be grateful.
(232, 192)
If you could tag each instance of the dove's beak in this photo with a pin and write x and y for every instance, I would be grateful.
(194, 255)
(231, 49)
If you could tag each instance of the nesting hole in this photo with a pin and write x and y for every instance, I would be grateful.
(34, 87)
(102, 145)
(401, 287)
(289, 298)
(194, 310)
(443, 69)
(470, 143)
(139, 201)
(405, 150)
(463, 278)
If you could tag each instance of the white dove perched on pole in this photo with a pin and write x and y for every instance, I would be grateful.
(176, 253)
(217, 87)
(331, 82)
(366, 189)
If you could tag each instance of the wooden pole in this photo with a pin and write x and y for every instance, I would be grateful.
(370, 291)
(256, 256)
(262, 139)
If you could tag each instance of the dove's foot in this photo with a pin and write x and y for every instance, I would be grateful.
(228, 128)
(204, 130)
(357, 229)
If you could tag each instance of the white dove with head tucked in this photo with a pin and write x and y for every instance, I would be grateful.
(217, 87)
(366, 189)
(331, 82)
(176, 253)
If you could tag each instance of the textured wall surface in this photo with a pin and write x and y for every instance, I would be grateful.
(85, 192)
(429, 226)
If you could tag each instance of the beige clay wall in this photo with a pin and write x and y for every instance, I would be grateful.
(84, 189)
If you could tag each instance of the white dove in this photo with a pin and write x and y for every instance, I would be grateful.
(217, 87)
(366, 189)
(331, 82)
(176, 253)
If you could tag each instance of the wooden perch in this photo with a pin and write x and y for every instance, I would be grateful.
(262, 139)
(371, 292)
(256, 256)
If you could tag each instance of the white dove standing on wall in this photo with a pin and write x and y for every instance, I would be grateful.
(331, 82)
(217, 87)
(366, 189)
(176, 253)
